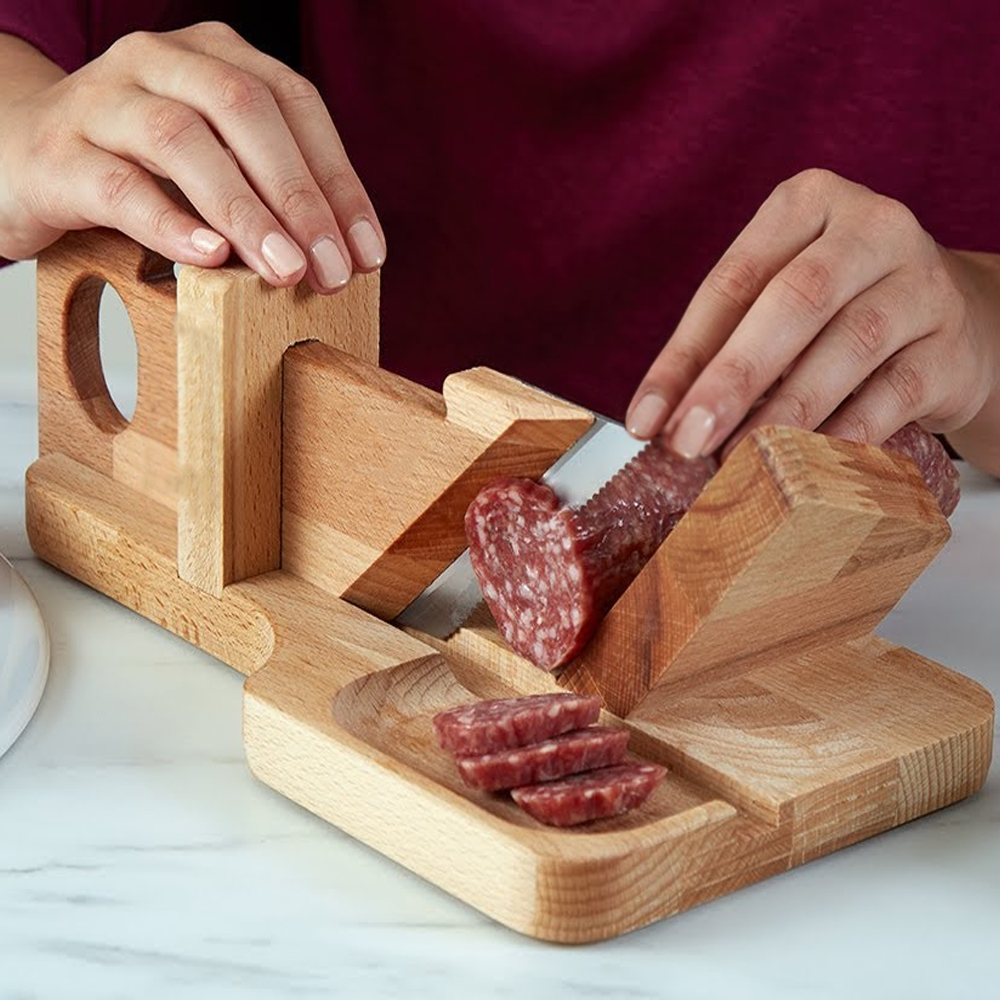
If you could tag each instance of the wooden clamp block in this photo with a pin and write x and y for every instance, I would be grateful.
(259, 484)
(800, 540)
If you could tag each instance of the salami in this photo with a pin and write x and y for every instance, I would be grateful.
(486, 727)
(549, 573)
(570, 753)
(932, 459)
(608, 791)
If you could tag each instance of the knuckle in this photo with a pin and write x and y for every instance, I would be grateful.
(161, 220)
(293, 89)
(741, 375)
(213, 31)
(737, 280)
(859, 425)
(297, 200)
(908, 382)
(868, 330)
(238, 209)
(889, 214)
(131, 46)
(806, 187)
(337, 180)
(170, 127)
(687, 360)
(799, 408)
(949, 302)
(240, 93)
(118, 183)
(809, 284)
(816, 179)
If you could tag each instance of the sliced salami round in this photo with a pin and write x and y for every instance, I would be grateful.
(932, 459)
(549, 573)
(570, 753)
(608, 791)
(485, 727)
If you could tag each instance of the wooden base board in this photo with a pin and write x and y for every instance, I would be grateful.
(769, 769)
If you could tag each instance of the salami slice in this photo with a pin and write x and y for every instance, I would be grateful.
(570, 753)
(485, 727)
(549, 573)
(608, 791)
(932, 459)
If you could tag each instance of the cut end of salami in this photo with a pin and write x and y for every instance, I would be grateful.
(485, 727)
(550, 573)
(606, 792)
(526, 553)
(932, 459)
(570, 753)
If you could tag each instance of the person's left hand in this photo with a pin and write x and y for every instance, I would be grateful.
(835, 310)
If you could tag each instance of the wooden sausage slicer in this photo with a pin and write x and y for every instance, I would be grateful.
(277, 499)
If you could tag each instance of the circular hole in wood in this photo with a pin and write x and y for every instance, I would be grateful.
(119, 353)
(83, 356)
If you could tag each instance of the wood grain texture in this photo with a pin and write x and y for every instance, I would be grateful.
(378, 471)
(744, 654)
(370, 766)
(800, 540)
(77, 416)
(768, 769)
(232, 333)
(121, 544)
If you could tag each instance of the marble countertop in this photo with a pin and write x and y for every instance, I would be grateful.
(138, 857)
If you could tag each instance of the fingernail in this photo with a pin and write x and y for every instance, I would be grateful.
(329, 264)
(283, 256)
(365, 244)
(693, 432)
(647, 416)
(206, 241)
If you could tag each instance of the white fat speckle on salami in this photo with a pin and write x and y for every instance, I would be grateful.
(578, 561)
(570, 753)
(595, 794)
(504, 723)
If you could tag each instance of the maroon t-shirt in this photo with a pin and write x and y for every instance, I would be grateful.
(555, 178)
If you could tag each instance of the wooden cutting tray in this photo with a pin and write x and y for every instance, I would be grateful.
(278, 506)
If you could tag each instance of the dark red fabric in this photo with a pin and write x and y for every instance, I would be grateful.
(555, 178)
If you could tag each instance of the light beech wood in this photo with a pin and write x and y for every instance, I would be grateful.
(799, 540)
(76, 416)
(378, 471)
(232, 333)
(743, 658)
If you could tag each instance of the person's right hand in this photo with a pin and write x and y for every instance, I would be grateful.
(246, 140)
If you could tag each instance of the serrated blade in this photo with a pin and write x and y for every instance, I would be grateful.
(576, 476)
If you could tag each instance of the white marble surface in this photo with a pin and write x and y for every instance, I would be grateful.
(139, 858)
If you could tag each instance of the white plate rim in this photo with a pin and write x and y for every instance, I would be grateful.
(34, 670)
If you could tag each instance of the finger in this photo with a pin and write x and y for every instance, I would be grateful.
(242, 111)
(174, 140)
(313, 129)
(787, 316)
(791, 218)
(870, 329)
(909, 386)
(109, 191)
